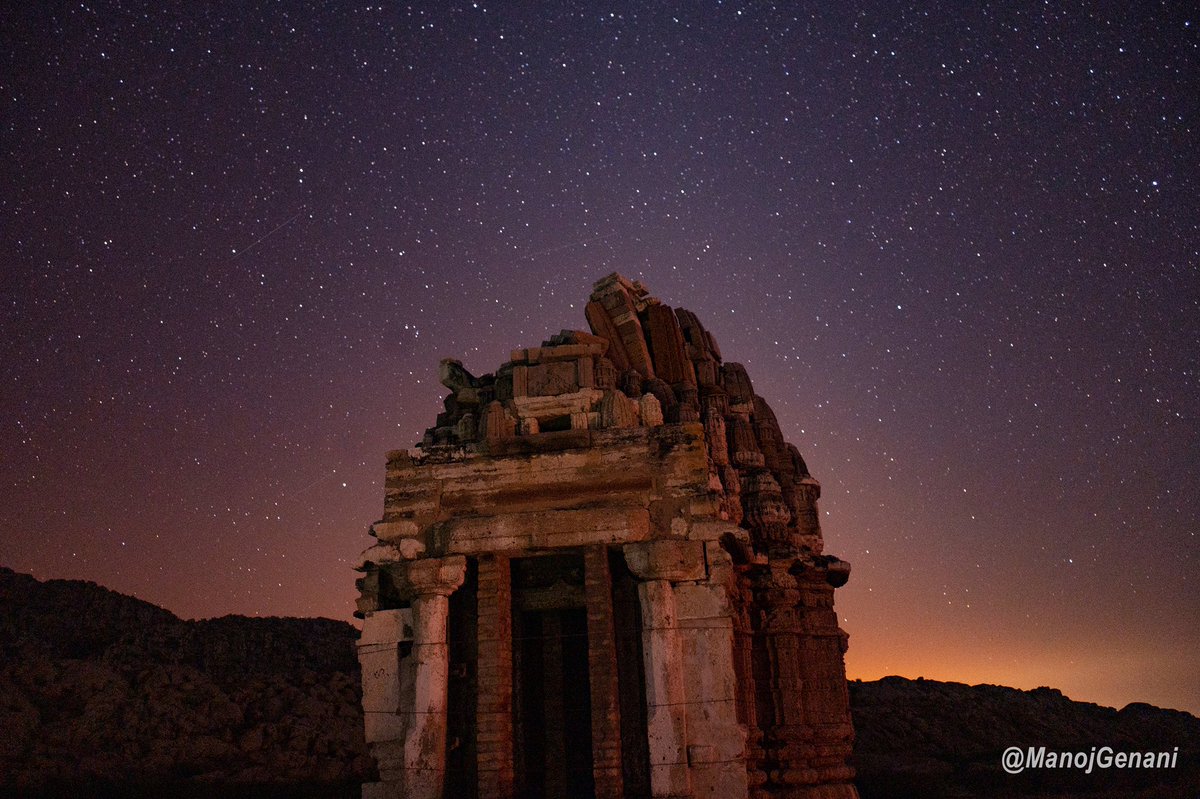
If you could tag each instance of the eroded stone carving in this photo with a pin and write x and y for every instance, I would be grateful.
(616, 509)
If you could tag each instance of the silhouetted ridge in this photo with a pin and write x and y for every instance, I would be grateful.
(70, 618)
(107, 694)
(929, 739)
(236, 706)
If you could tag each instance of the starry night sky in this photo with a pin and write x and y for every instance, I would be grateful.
(956, 248)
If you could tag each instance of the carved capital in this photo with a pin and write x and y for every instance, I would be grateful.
(438, 576)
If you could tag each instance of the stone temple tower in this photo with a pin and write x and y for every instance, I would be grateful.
(600, 574)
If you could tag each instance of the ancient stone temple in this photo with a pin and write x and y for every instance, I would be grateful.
(600, 574)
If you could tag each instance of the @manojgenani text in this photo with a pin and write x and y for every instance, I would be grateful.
(1017, 759)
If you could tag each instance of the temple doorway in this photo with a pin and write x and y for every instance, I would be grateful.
(552, 696)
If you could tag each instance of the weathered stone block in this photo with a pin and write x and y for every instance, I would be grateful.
(617, 411)
(520, 380)
(395, 530)
(737, 383)
(666, 345)
(666, 560)
(551, 379)
(453, 376)
(702, 601)
(410, 500)
(383, 684)
(535, 530)
(602, 325)
(567, 352)
(651, 410)
(403, 549)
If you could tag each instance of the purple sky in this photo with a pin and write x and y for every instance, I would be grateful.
(955, 247)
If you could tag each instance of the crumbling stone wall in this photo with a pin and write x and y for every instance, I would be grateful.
(636, 440)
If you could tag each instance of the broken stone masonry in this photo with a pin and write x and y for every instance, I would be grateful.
(601, 575)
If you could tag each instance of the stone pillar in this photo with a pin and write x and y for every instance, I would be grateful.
(809, 735)
(742, 607)
(420, 770)
(826, 697)
(716, 741)
(602, 675)
(666, 716)
(383, 634)
(494, 740)
(657, 564)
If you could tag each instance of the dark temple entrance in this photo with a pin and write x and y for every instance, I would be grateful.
(552, 697)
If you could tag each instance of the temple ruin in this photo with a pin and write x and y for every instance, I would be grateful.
(600, 574)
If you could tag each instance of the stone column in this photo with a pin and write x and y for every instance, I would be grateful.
(826, 696)
(384, 632)
(810, 736)
(666, 716)
(657, 564)
(424, 750)
(716, 741)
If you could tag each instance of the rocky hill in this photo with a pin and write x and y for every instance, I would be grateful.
(927, 739)
(105, 695)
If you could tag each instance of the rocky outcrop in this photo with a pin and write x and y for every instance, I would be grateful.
(927, 739)
(100, 689)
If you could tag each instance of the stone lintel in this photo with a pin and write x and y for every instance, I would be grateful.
(548, 407)
(407, 463)
(414, 486)
(545, 529)
(558, 352)
(537, 477)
